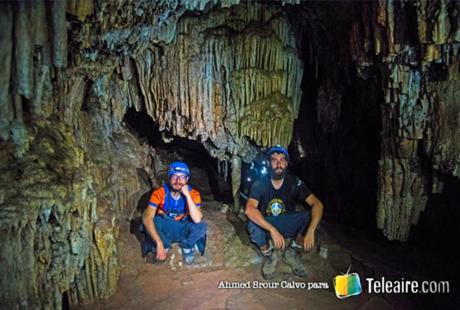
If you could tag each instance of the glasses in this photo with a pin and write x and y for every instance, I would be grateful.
(175, 177)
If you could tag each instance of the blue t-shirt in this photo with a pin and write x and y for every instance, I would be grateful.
(273, 202)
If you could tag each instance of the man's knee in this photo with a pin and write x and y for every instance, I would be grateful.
(300, 215)
(297, 218)
(257, 234)
(302, 221)
(201, 227)
(290, 224)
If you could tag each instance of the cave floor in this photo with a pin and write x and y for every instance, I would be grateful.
(229, 257)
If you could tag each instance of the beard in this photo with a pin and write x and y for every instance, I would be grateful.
(176, 187)
(278, 174)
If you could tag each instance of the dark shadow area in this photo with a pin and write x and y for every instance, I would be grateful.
(340, 163)
(436, 232)
(136, 223)
(241, 228)
(65, 301)
(190, 151)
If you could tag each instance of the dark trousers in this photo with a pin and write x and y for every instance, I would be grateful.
(185, 231)
(289, 225)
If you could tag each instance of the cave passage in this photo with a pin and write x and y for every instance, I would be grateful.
(212, 180)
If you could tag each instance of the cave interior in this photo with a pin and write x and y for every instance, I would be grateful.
(98, 97)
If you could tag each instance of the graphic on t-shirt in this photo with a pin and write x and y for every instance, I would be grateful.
(275, 207)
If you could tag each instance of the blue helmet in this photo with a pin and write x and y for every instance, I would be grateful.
(178, 167)
(278, 149)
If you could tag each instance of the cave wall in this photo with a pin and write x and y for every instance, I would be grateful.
(418, 44)
(71, 171)
(69, 168)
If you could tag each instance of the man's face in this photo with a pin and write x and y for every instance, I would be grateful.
(278, 163)
(178, 180)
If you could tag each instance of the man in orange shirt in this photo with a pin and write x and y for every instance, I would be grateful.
(174, 215)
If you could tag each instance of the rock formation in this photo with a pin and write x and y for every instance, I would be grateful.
(417, 45)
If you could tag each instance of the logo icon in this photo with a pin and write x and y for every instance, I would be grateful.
(275, 207)
(347, 285)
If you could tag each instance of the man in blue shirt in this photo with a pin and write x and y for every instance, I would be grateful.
(272, 215)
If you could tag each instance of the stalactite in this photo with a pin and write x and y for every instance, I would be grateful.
(80, 8)
(23, 48)
(261, 69)
(59, 33)
(6, 53)
(40, 29)
(225, 169)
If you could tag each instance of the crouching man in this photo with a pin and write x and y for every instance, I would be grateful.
(271, 212)
(174, 215)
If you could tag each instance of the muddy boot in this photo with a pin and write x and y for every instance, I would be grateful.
(291, 257)
(269, 264)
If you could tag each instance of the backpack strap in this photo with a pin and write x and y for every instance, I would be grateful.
(168, 202)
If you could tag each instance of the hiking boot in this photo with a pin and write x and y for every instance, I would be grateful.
(188, 255)
(291, 257)
(269, 264)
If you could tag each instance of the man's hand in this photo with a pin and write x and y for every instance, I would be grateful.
(278, 239)
(309, 241)
(184, 190)
(161, 252)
